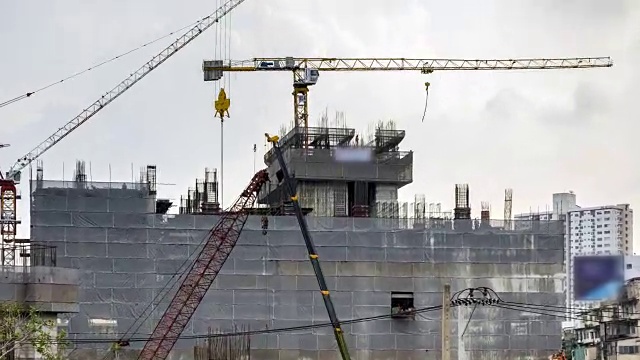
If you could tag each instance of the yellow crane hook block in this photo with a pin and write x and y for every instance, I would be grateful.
(222, 104)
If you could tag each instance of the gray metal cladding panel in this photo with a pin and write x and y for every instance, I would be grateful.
(268, 281)
(97, 220)
(133, 220)
(52, 202)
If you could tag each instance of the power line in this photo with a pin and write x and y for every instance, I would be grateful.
(74, 75)
(475, 306)
(457, 300)
(534, 310)
(259, 332)
(579, 310)
(168, 286)
(540, 309)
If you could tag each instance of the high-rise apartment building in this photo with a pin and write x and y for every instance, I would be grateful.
(599, 230)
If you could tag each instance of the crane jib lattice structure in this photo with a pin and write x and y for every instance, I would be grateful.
(307, 70)
(222, 239)
(8, 191)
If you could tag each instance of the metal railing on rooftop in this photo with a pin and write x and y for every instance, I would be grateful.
(329, 155)
(88, 185)
(22, 255)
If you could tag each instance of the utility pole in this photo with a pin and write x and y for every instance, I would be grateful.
(446, 316)
(603, 334)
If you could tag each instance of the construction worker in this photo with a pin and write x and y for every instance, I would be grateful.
(265, 224)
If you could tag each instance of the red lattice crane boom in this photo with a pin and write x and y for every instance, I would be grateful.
(222, 239)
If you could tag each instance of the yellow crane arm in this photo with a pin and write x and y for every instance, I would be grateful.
(396, 64)
(307, 70)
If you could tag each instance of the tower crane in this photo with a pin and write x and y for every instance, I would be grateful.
(8, 190)
(306, 71)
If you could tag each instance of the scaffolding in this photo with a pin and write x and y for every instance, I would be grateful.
(319, 138)
(462, 210)
(203, 198)
(216, 347)
(386, 138)
(340, 173)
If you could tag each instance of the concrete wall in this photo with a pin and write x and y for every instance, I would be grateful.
(51, 290)
(125, 259)
(319, 164)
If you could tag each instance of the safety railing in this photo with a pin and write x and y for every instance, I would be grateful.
(22, 255)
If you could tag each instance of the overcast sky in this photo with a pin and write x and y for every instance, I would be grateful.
(537, 132)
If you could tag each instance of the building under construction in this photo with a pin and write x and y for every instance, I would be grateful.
(374, 254)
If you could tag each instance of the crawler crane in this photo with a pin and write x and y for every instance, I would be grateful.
(311, 249)
(222, 239)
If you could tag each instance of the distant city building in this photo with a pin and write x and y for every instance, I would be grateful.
(598, 230)
(562, 203)
(609, 331)
(632, 267)
(602, 230)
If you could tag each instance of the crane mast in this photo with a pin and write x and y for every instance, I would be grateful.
(311, 249)
(307, 70)
(222, 239)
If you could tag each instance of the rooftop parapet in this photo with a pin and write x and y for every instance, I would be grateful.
(36, 280)
(111, 197)
(326, 164)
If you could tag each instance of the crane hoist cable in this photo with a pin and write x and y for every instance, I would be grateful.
(426, 99)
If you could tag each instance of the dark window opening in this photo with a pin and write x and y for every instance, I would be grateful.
(402, 305)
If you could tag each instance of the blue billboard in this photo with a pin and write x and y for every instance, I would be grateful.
(597, 278)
